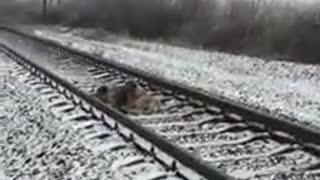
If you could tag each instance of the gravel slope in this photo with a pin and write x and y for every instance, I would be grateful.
(281, 88)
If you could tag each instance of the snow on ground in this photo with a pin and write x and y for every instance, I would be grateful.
(2, 175)
(283, 88)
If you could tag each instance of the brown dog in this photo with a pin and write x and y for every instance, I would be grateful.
(145, 104)
(129, 97)
(114, 95)
(139, 101)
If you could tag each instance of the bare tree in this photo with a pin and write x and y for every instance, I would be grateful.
(44, 9)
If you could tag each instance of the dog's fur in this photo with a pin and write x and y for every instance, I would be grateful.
(129, 97)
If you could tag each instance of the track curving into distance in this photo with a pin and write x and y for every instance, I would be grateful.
(242, 143)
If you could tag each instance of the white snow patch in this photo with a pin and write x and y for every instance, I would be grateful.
(2, 175)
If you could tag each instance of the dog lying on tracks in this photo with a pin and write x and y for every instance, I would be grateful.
(128, 97)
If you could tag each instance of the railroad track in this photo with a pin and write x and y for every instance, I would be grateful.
(34, 144)
(242, 143)
(43, 119)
